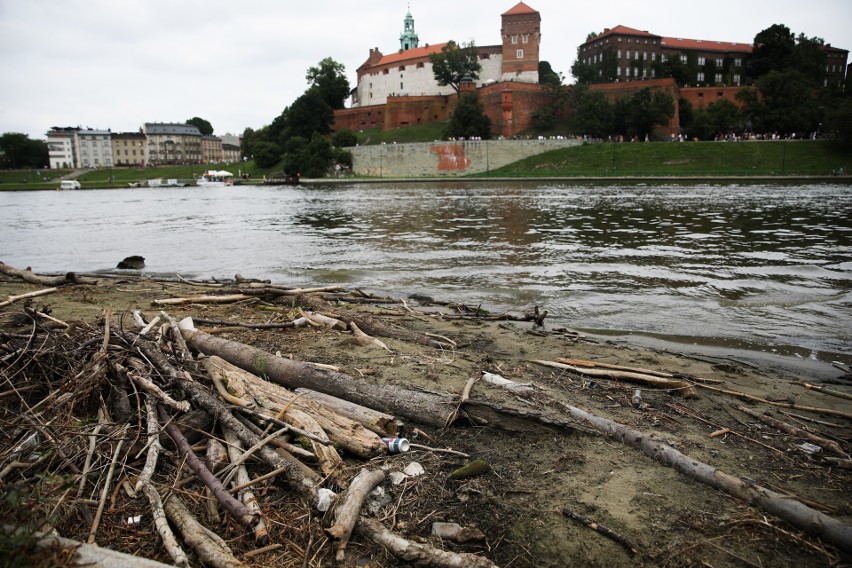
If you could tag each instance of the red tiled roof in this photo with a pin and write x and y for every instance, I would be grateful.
(701, 45)
(521, 8)
(416, 53)
(622, 30)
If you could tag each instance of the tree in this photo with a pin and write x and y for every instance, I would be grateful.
(308, 159)
(547, 76)
(583, 72)
(19, 151)
(787, 104)
(329, 77)
(455, 63)
(838, 122)
(266, 154)
(640, 113)
(344, 139)
(773, 50)
(593, 115)
(247, 142)
(469, 119)
(203, 126)
(309, 114)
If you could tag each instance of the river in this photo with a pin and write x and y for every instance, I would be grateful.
(758, 272)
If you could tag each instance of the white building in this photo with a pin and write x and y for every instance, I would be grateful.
(60, 146)
(93, 148)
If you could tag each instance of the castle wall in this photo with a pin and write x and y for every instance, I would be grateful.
(615, 91)
(448, 159)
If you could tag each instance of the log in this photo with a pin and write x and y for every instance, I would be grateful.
(203, 299)
(213, 552)
(790, 405)
(349, 509)
(782, 506)
(382, 424)
(415, 553)
(349, 434)
(428, 408)
(12, 299)
(29, 276)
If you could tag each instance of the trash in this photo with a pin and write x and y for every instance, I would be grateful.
(637, 398)
(809, 448)
(133, 521)
(590, 384)
(446, 530)
(397, 477)
(414, 469)
(326, 497)
(474, 468)
(396, 445)
(499, 381)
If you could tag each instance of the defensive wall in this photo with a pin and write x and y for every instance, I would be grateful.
(447, 158)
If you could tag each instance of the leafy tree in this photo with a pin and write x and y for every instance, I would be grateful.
(203, 126)
(344, 139)
(469, 119)
(809, 58)
(247, 142)
(593, 115)
(308, 159)
(19, 151)
(266, 154)
(309, 114)
(547, 76)
(639, 114)
(583, 72)
(329, 77)
(838, 122)
(787, 104)
(591, 36)
(773, 50)
(454, 63)
(721, 117)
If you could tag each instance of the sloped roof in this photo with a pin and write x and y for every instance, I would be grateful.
(623, 30)
(521, 8)
(408, 54)
(702, 45)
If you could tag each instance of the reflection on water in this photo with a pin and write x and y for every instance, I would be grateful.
(769, 267)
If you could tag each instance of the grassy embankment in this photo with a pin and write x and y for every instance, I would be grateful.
(658, 159)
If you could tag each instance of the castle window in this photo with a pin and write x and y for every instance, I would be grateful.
(520, 54)
(718, 77)
(736, 79)
(618, 71)
(683, 59)
(618, 56)
(525, 38)
(385, 71)
(420, 65)
(719, 62)
(700, 77)
(636, 55)
(628, 54)
(738, 62)
(402, 67)
(701, 60)
(514, 39)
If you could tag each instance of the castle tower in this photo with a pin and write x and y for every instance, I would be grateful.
(408, 39)
(521, 40)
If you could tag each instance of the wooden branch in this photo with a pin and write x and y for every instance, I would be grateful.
(416, 553)
(12, 299)
(235, 448)
(203, 299)
(161, 524)
(154, 446)
(29, 276)
(790, 510)
(676, 385)
(105, 490)
(249, 325)
(604, 530)
(152, 389)
(349, 509)
(383, 424)
(212, 552)
(817, 388)
(790, 429)
(365, 340)
(791, 405)
(239, 511)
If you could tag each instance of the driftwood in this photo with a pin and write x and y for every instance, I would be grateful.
(29, 276)
(675, 385)
(211, 549)
(783, 426)
(261, 534)
(12, 299)
(431, 409)
(783, 507)
(603, 529)
(818, 388)
(418, 554)
(348, 510)
(382, 424)
(790, 405)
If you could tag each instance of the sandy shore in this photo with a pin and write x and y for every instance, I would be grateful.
(671, 519)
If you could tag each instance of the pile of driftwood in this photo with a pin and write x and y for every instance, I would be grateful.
(182, 417)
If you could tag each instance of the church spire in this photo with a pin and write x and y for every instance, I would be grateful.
(408, 39)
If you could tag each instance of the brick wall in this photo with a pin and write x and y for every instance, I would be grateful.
(703, 97)
(615, 91)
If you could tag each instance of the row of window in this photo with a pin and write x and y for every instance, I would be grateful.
(699, 77)
(629, 40)
(643, 56)
(525, 38)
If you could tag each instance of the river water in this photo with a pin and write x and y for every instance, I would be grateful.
(755, 271)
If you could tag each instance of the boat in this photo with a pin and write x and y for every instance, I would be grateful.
(286, 180)
(69, 184)
(215, 178)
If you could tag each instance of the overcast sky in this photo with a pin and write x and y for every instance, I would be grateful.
(119, 63)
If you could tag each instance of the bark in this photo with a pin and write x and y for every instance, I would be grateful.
(418, 554)
(783, 507)
(213, 552)
(347, 512)
(261, 534)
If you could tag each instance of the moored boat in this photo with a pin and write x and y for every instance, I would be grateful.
(215, 178)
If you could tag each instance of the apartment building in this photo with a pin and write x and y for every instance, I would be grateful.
(93, 148)
(172, 143)
(129, 149)
(60, 147)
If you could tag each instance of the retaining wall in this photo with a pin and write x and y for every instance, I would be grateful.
(443, 158)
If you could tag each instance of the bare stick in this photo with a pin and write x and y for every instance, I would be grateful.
(105, 490)
(781, 404)
(13, 299)
(604, 530)
(261, 534)
(346, 514)
(170, 543)
(783, 426)
(825, 390)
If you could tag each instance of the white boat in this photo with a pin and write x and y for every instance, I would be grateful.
(215, 178)
(69, 184)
